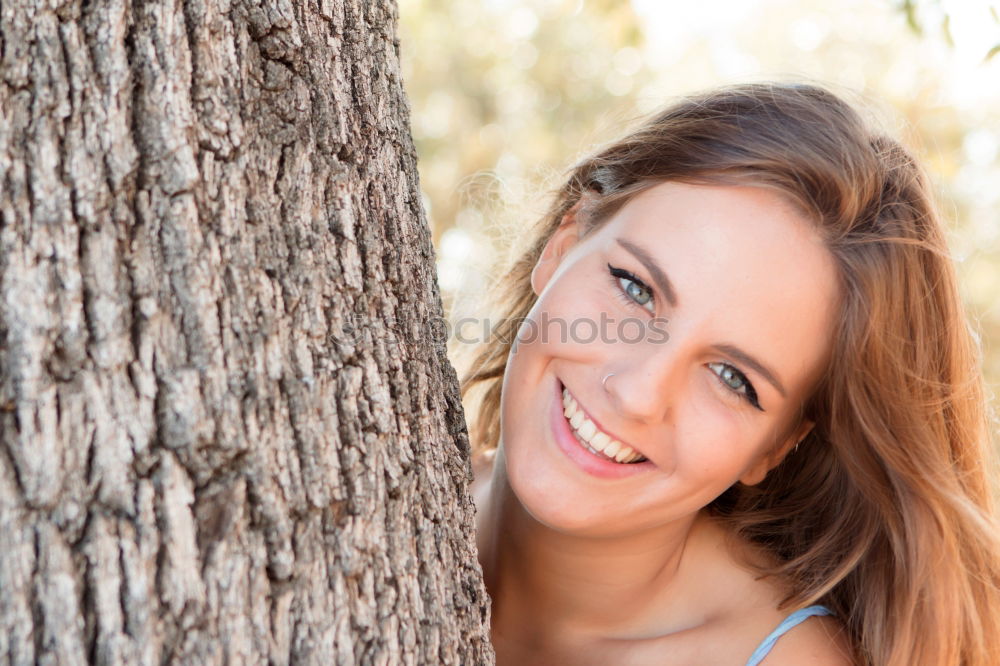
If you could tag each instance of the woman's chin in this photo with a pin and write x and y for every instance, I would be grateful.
(562, 508)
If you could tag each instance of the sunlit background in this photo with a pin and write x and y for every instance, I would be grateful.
(505, 94)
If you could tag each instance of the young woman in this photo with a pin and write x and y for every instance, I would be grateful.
(743, 420)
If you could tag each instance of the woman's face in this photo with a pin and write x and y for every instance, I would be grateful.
(712, 309)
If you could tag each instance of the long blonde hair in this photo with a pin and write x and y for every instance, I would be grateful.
(885, 511)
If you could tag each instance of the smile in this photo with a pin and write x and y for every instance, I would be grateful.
(593, 438)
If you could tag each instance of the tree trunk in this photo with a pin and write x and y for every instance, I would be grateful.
(227, 433)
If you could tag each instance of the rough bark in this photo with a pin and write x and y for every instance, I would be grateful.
(226, 434)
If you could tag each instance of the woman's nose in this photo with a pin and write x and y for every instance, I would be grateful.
(644, 386)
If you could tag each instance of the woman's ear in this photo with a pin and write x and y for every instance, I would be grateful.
(770, 460)
(559, 243)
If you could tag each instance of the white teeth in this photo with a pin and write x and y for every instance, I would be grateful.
(586, 432)
(600, 441)
(571, 409)
(612, 448)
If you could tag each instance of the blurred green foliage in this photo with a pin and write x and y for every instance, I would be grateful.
(913, 10)
(507, 93)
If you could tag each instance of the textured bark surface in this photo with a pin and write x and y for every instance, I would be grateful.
(226, 434)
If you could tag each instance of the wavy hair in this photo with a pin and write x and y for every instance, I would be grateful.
(885, 512)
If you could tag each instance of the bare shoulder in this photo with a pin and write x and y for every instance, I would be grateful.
(750, 608)
(817, 641)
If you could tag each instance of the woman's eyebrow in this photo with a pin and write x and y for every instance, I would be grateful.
(659, 277)
(746, 359)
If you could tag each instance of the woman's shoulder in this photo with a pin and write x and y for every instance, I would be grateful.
(748, 611)
(818, 641)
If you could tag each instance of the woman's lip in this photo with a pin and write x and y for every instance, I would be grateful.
(597, 423)
(594, 465)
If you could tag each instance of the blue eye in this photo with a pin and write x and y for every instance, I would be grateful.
(736, 381)
(634, 289)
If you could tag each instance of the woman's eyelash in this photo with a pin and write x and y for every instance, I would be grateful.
(749, 393)
(619, 274)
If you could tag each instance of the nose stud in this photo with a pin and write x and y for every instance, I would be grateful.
(604, 382)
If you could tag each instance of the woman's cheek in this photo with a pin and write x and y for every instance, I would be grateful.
(714, 433)
(573, 320)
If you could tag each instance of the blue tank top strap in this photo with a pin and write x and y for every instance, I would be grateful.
(793, 619)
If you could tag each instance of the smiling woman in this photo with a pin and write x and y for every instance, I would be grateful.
(804, 455)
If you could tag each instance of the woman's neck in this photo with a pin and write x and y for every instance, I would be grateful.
(550, 587)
